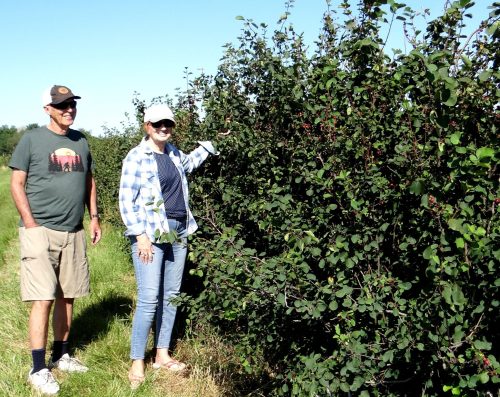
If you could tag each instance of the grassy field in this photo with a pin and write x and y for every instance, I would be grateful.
(101, 327)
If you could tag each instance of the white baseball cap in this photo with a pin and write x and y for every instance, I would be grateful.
(158, 112)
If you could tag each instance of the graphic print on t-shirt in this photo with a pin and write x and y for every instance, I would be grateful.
(65, 160)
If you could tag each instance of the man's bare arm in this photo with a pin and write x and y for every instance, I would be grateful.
(91, 201)
(17, 189)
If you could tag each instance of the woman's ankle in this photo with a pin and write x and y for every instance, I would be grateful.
(162, 356)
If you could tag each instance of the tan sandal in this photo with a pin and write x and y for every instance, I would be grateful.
(171, 365)
(135, 380)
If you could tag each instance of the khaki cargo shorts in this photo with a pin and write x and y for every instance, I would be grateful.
(53, 264)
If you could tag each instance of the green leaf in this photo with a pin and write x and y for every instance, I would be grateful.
(388, 356)
(429, 252)
(484, 152)
(458, 335)
(425, 200)
(484, 377)
(432, 68)
(482, 345)
(417, 187)
(491, 30)
(456, 224)
(449, 97)
(444, 72)
(357, 383)
(483, 76)
(455, 138)
(343, 292)
(466, 60)
(453, 295)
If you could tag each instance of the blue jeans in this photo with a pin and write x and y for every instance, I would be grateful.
(157, 283)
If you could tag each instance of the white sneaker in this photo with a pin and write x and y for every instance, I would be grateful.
(43, 381)
(68, 364)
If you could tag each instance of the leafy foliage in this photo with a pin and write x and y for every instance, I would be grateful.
(108, 152)
(349, 229)
(9, 137)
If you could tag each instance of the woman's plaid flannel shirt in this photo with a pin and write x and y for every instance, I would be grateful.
(140, 188)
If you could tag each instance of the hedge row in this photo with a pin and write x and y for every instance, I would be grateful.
(349, 229)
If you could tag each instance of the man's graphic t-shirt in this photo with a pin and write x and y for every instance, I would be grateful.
(65, 160)
(56, 167)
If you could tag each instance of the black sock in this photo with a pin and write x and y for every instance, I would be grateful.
(38, 356)
(59, 348)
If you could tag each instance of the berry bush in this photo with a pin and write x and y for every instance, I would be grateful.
(349, 230)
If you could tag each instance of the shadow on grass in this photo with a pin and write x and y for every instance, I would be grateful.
(95, 321)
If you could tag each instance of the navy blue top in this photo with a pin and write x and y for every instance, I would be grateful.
(171, 187)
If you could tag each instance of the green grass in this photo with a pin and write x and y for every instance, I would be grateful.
(8, 214)
(101, 328)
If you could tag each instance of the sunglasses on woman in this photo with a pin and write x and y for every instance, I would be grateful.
(165, 123)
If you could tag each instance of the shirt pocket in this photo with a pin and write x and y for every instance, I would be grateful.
(148, 187)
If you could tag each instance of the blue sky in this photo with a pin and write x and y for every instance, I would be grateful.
(105, 50)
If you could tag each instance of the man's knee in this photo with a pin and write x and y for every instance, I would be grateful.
(41, 305)
(40, 310)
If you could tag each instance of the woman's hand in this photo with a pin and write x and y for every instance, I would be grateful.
(145, 248)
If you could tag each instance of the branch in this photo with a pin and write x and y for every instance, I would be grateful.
(225, 133)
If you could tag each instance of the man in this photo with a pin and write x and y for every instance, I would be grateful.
(51, 184)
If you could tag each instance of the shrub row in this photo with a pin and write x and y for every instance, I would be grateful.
(349, 229)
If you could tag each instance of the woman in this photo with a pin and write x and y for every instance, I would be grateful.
(155, 172)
